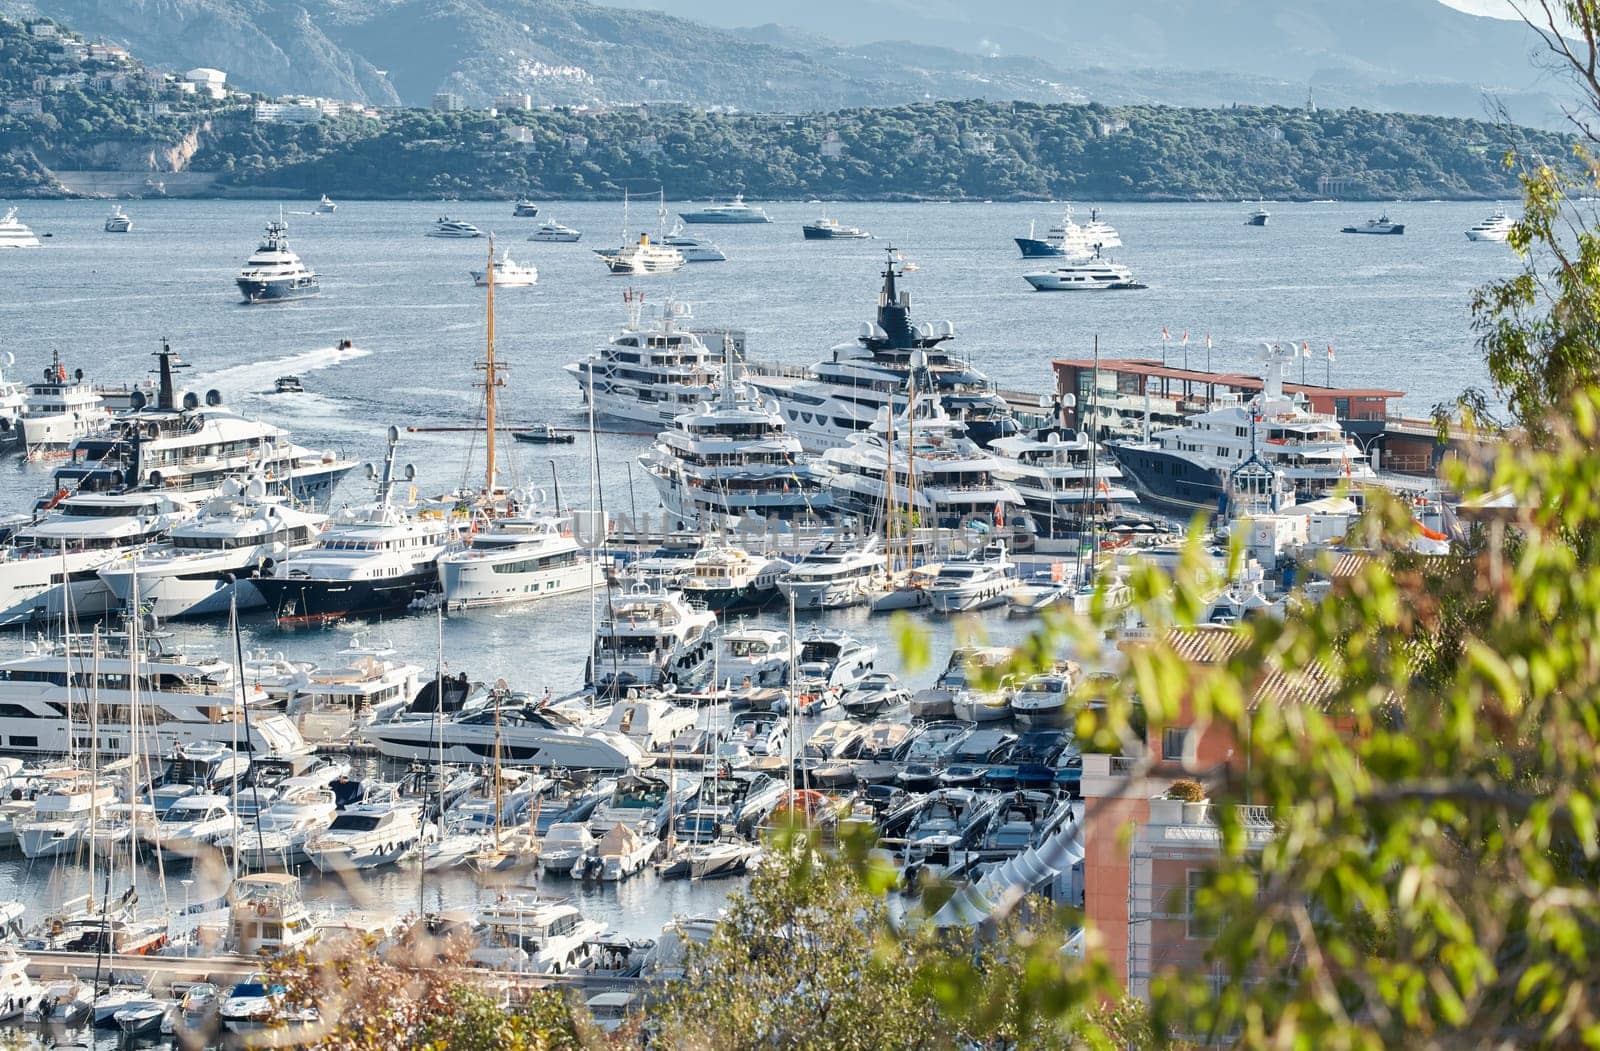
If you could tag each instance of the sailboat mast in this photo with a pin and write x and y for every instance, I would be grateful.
(491, 379)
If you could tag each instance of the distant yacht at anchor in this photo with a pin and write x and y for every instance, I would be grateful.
(1495, 228)
(275, 273)
(641, 257)
(732, 212)
(13, 234)
(444, 226)
(1092, 275)
(508, 273)
(1381, 225)
(1067, 238)
(325, 206)
(694, 249)
(118, 222)
(1258, 217)
(524, 209)
(828, 229)
(553, 232)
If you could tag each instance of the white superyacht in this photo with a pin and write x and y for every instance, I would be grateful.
(60, 409)
(210, 561)
(1066, 481)
(649, 372)
(516, 559)
(14, 234)
(650, 636)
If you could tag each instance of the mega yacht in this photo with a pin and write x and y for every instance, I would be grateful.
(846, 392)
(1069, 239)
(13, 400)
(553, 232)
(1094, 274)
(1065, 481)
(694, 249)
(826, 229)
(733, 461)
(185, 445)
(366, 686)
(1258, 217)
(513, 560)
(13, 234)
(731, 212)
(1381, 225)
(650, 636)
(927, 465)
(182, 700)
(524, 209)
(649, 372)
(834, 575)
(211, 560)
(726, 579)
(522, 733)
(1497, 227)
(60, 409)
(325, 205)
(1189, 466)
(641, 257)
(49, 566)
(118, 222)
(508, 273)
(974, 582)
(275, 273)
(444, 226)
(371, 559)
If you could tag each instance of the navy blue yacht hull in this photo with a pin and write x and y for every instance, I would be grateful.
(1171, 481)
(276, 291)
(297, 599)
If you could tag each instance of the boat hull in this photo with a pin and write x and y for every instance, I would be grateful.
(258, 291)
(301, 599)
(1034, 248)
(1170, 481)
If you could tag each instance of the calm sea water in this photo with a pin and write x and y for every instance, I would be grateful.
(1394, 308)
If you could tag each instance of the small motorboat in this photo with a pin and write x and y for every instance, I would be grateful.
(287, 385)
(544, 434)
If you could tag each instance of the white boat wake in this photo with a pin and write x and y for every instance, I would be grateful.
(256, 377)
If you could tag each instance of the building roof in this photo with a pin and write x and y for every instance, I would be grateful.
(1239, 380)
(1217, 644)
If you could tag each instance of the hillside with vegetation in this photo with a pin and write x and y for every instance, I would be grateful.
(945, 150)
(70, 107)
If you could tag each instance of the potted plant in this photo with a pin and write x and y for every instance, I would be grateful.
(1193, 796)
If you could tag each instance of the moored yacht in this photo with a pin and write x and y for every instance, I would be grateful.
(929, 466)
(826, 229)
(1497, 227)
(61, 551)
(209, 561)
(182, 700)
(754, 656)
(508, 273)
(13, 399)
(367, 686)
(1381, 225)
(651, 636)
(520, 732)
(649, 372)
(694, 249)
(733, 460)
(974, 582)
(846, 392)
(13, 234)
(1090, 275)
(1068, 238)
(725, 578)
(325, 205)
(641, 257)
(833, 659)
(444, 226)
(179, 443)
(513, 560)
(1189, 466)
(553, 232)
(367, 835)
(1258, 217)
(274, 273)
(523, 208)
(118, 222)
(834, 575)
(372, 559)
(1066, 482)
(60, 409)
(731, 212)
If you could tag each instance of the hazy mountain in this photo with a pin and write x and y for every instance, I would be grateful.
(1386, 54)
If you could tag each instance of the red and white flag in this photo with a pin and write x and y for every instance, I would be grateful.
(1330, 353)
(1185, 339)
(1208, 341)
(1305, 348)
(1165, 335)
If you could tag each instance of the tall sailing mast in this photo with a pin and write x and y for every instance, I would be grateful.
(491, 380)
